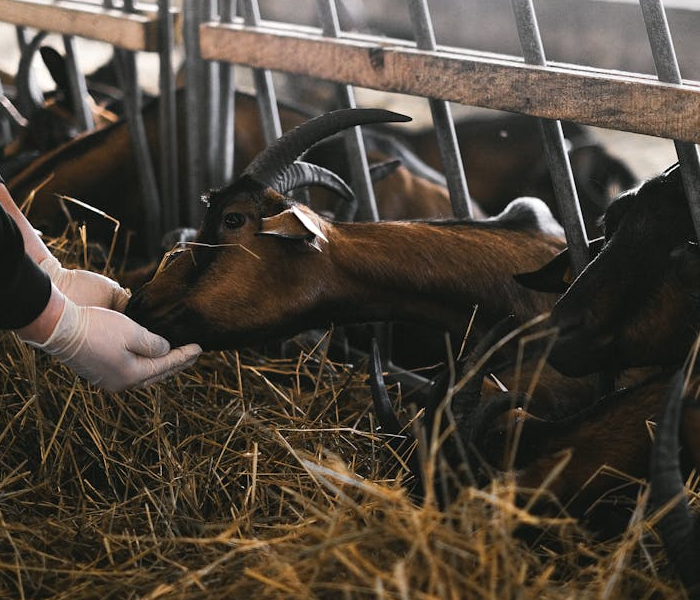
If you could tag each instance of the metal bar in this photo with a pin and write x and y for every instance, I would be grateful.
(126, 61)
(553, 139)
(354, 143)
(169, 188)
(192, 207)
(600, 98)
(667, 69)
(265, 91)
(5, 127)
(77, 86)
(223, 172)
(22, 37)
(442, 118)
(209, 103)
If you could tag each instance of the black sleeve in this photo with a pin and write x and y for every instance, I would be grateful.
(25, 287)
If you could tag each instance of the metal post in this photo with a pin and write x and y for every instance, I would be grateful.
(265, 91)
(553, 139)
(668, 71)
(442, 118)
(78, 88)
(223, 164)
(169, 189)
(192, 207)
(5, 127)
(126, 62)
(209, 103)
(354, 143)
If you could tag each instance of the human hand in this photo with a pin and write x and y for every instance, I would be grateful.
(86, 288)
(111, 351)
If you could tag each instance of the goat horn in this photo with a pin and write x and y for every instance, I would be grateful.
(471, 393)
(398, 442)
(268, 168)
(678, 529)
(302, 174)
(382, 404)
(29, 96)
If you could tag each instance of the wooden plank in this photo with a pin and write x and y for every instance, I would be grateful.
(137, 31)
(605, 99)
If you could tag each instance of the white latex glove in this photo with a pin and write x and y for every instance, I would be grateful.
(86, 288)
(112, 351)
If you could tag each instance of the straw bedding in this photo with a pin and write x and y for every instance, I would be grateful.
(248, 476)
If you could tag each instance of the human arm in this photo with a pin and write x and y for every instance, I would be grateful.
(83, 287)
(103, 346)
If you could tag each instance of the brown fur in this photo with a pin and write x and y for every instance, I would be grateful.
(261, 287)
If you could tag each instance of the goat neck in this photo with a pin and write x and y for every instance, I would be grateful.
(265, 267)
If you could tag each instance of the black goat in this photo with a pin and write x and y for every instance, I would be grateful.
(638, 302)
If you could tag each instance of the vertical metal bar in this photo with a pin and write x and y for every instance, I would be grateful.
(22, 37)
(553, 139)
(78, 88)
(126, 62)
(227, 108)
(265, 91)
(192, 207)
(168, 163)
(5, 127)
(442, 118)
(209, 102)
(668, 71)
(354, 143)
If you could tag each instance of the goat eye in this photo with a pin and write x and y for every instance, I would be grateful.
(234, 220)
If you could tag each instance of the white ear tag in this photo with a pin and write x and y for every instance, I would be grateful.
(308, 223)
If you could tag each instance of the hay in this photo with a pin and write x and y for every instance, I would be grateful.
(253, 477)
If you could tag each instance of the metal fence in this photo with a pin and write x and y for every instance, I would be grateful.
(223, 33)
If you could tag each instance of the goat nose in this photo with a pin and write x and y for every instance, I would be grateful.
(134, 305)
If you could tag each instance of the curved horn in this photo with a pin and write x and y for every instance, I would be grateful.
(29, 96)
(269, 166)
(470, 395)
(678, 528)
(302, 174)
(398, 442)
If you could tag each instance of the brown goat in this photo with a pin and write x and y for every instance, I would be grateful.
(602, 436)
(264, 267)
(637, 302)
(504, 158)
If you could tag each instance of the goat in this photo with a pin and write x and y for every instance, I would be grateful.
(484, 426)
(49, 118)
(504, 158)
(265, 267)
(636, 303)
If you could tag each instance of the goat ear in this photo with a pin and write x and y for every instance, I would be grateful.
(557, 275)
(294, 224)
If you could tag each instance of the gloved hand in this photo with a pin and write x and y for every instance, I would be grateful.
(86, 288)
(112, 351)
